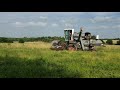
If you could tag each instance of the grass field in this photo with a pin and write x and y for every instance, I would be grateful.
(36, 60)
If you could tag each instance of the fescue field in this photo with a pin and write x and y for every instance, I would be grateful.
(36, 60)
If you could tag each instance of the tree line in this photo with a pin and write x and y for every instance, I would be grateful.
(110, 41)
(31, 39)
(48, 39)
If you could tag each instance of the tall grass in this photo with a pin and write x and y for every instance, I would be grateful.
(36, 60)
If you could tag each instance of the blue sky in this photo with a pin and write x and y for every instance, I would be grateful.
(38, 24)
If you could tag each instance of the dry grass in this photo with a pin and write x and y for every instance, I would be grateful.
(26, 45)
(37, 45)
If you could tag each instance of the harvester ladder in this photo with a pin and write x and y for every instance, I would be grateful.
(81, 43)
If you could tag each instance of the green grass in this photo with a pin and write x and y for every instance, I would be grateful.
(36, 60)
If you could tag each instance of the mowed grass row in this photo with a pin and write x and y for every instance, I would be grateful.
(36, 60)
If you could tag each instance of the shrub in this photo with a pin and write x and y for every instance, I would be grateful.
(109, 41)
(93, 37)
(118, 42)
(21, 41)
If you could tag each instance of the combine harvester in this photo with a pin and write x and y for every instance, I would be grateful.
(76, 41)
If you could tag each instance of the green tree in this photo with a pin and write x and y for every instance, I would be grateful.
(93, 37)
(118, 42)
(21, 41)
(3, 39)
(109, 41)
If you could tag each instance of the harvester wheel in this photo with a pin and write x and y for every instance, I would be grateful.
(72, 48)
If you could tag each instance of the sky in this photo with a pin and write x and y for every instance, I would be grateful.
(38, 24)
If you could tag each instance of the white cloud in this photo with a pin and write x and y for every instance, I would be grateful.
(19, 24)
(116, 27)
(25, 24)
(69, 22)
(54, 25)
(103, 27)
(103, 13)
(101, 19)
(68, 25)
(71, 19)
(66, 13)
(108, 20)
(43, 17)
(63, 21)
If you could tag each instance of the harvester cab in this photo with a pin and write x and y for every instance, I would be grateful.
(77, 41)
(68, 34)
